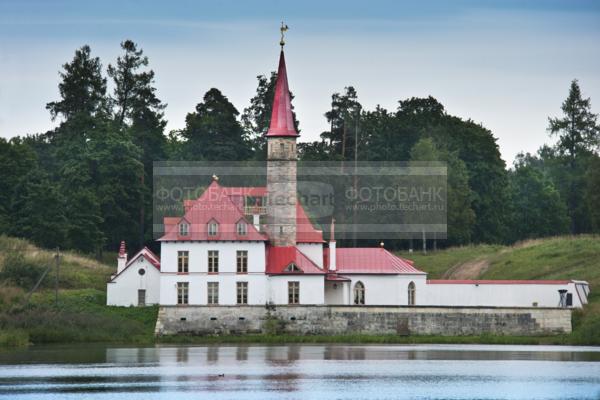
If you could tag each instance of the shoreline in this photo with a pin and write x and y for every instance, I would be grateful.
(283, 339)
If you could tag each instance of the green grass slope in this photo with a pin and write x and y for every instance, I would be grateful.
(81, 314)
(568, 257)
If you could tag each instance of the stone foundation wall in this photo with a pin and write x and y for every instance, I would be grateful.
(325, 320)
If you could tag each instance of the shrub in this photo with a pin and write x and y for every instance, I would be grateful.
(20, 272)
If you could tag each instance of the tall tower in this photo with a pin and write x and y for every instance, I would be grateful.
(281, 163)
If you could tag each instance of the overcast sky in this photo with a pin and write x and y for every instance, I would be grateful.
(506, 65)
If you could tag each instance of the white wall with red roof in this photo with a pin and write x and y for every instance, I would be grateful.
(122, 289)
(312, 288)
(380, 290)
(497, 293)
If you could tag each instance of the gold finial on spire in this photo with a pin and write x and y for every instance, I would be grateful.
(283, 28)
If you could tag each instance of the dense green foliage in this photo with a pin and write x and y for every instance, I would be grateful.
(87, 184)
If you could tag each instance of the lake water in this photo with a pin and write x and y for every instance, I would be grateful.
(301, 372)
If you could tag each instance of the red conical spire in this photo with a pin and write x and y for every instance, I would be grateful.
(282, 120)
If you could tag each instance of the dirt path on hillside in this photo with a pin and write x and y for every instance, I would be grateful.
(467, 270)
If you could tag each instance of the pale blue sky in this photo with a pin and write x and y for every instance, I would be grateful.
(505, 64)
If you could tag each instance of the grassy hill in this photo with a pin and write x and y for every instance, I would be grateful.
(81, 315)
(568, 257)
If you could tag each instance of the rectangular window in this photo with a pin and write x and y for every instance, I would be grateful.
(141, 297)
(213, 229)
(213, 292)
(293, 292)
(183, 229)
(241, 228)
(213, 261)
(242, 292)
(183, 258)
(182, 292)
(242, 261)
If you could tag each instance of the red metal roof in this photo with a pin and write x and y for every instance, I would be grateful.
(496, 282)
(145, 253)
(371, 260)
(305, 231)
(336, 278)
(148, 255)
(213, 205)
(282, 119)
(279, 258)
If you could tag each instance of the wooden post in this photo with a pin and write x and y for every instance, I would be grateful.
(57, 262)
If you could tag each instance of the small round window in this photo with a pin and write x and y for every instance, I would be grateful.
(141, 271)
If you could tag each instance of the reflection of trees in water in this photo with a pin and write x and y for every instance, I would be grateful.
(183, 354)
(212, 354)
(241, 353)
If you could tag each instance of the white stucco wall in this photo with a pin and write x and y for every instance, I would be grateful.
(497, 295)
(123, 290)
(381, 290)
(312, 290)
(198, 276)
(336, 293)
(314, 251)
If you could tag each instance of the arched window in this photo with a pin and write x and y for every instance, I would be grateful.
(411, 294)
(359, 293)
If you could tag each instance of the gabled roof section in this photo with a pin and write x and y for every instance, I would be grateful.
(282, 119)
(280, 258)
(148, 255)
(145, 253)
(305, 230)
(371, 260)
(213, 205)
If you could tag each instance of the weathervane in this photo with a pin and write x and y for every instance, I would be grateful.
(283, 28)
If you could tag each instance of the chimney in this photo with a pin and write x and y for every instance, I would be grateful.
(332, 249)
(122, 259)
(256, 220)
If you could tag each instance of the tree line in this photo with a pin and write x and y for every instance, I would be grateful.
(87, 184)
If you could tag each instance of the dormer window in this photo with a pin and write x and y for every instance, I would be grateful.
(213, 228)
(184, 229)
(241, 228)
(292, 267)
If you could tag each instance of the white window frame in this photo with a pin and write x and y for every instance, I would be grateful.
(184, 229)
(241, 261)
(293, 292)
(212, 290)
(242, 228)
(241, 293)
(213, 261)
(213, 228)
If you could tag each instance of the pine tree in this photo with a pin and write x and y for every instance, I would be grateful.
(343, 118)
(213, 131)
(82, 89)
(139, 112)
(578, 136)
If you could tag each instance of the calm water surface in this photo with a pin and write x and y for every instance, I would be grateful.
(301, 372)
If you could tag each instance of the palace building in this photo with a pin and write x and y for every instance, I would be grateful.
(219, 253)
